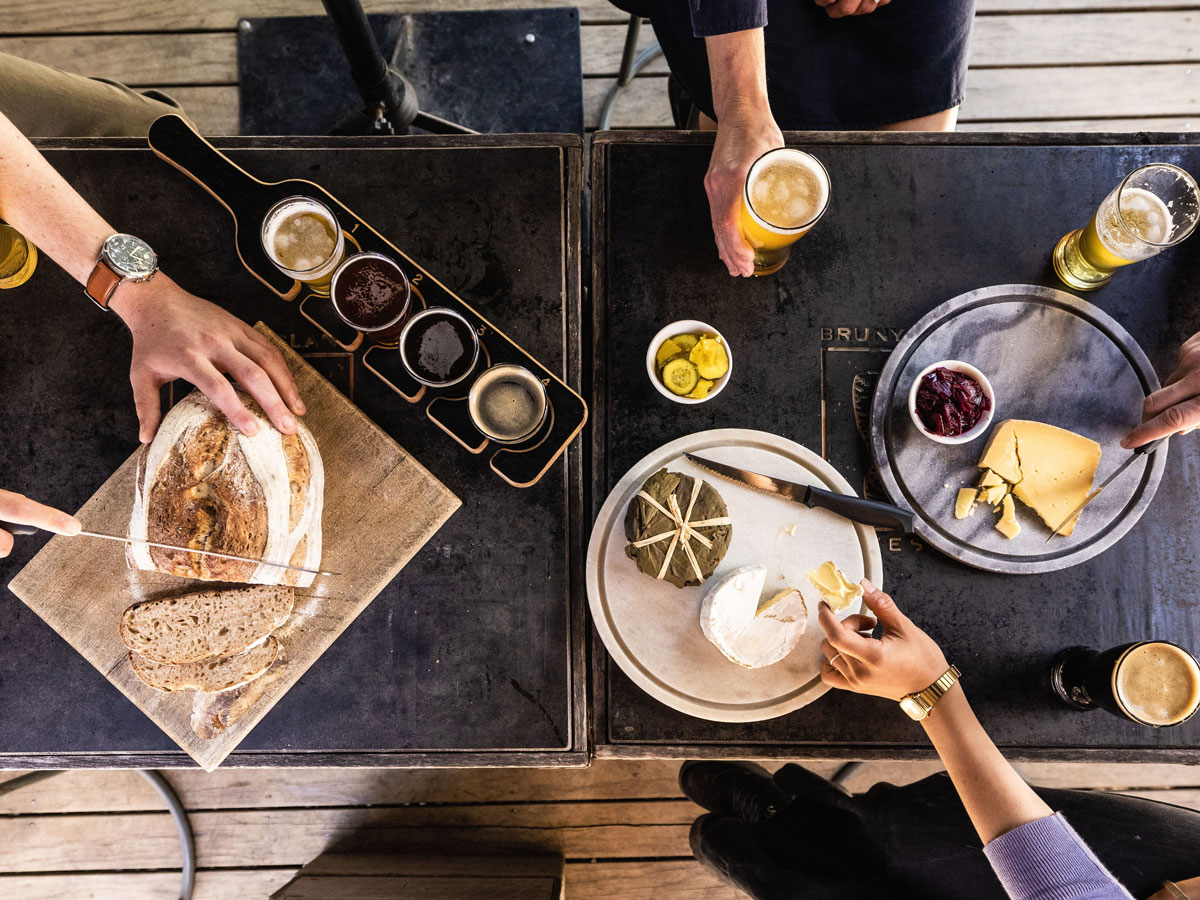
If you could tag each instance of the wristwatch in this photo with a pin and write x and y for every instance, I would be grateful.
(919, 705)
(123, 257)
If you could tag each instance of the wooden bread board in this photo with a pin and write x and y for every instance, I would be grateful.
(381, 507)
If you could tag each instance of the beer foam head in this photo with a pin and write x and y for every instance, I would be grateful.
(1158, 683)
(787, 189)
(300, 234)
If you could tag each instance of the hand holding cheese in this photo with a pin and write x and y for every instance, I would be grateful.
(903, 660)
(1174, 409)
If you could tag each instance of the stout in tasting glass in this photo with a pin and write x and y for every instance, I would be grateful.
(1153, 208)
(786, 192)
(304, 240)
(1153, 683)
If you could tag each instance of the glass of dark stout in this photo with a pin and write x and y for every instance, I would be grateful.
(1153, 683)
(439, 347)
(371, 293)
(507, 403)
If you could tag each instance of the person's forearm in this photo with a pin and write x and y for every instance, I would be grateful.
(39, 203)
(737, 66)
(995, 796)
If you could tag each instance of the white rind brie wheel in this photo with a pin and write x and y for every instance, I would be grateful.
(748, 629)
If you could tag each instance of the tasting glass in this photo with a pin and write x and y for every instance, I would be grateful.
(18, 257)
(1084, 678)
(318, 277)
(507, 372)
(387, 334)
(1117, 235)
(465, 328)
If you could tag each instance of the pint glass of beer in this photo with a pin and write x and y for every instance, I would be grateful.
(18, 257)
(1154, 208)
(1153, 683)
(786, 192)
(304, 240)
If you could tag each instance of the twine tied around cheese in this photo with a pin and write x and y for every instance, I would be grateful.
(684, 531)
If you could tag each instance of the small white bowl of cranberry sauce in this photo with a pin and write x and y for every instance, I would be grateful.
(951, 402)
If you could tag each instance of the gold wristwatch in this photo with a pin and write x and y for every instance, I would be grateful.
(919, 705)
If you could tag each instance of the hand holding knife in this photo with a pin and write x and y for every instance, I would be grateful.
(867, 512)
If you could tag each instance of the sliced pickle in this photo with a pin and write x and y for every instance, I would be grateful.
(686, 341)
(710, 358)
(668, 350)
(701, 390)
(680, 376)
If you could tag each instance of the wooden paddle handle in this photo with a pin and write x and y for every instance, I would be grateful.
(178, 143)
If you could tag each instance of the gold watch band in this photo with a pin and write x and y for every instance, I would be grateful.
(919, 705)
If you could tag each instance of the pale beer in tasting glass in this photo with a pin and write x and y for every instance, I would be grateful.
(1153, 683)
(786, 192)
(304, 240)
(1153, 208)
(18, 257)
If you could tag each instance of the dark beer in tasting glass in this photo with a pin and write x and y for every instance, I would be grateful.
(371, 293)
(1153, 683)
(439, 347)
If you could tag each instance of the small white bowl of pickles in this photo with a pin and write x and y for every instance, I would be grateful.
(689, 361)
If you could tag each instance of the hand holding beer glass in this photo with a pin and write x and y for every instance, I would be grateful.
(1153, 208)
(786, 192)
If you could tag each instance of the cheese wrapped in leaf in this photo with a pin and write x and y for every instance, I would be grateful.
(678, 528)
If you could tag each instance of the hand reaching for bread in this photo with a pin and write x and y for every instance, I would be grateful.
(20, 509)
(179, 335)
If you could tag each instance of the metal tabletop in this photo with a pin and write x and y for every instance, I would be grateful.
(473, 655)
(913, 221)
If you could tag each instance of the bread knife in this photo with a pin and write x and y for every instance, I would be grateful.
(1144, 450)
(14, 528)
(856, 509)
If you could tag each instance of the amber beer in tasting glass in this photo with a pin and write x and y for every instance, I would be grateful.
(304, 240)
(371, 293)
(1153, 683)
(18, 257)
(786, 192)
(1153, 208)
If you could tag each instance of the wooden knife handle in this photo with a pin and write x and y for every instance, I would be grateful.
(856, 509)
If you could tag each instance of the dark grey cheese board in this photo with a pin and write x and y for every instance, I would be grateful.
(1050, 357)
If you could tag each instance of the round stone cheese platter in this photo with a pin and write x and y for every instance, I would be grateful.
(1050, 358)
(652, 629)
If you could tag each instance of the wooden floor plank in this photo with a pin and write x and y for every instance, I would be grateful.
(214, 110)
(90, 16)
(683, 879)
(243, 884)
(136, 59)
(285, 837)
(1150, 123)
(988, 7)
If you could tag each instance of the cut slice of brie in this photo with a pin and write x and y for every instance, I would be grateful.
(836, 589)
(747, 630)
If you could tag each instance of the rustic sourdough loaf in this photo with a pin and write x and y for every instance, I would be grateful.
(204, 485)
(194, 627)
(210, 675)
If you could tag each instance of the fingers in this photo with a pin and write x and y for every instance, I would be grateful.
(844, 640)
(860, 623)
(217, 388)
(272, 363)
(20, 509)
(146, 401)
(884, 607)
(1172, 420)
(255, 379)
(6, 543)
(833, 678)
(1184, 388)
(734, 251)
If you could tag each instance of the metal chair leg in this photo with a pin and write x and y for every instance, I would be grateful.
(630, 66)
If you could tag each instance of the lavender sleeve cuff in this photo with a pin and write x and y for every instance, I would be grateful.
(710, 17)
(1046, 860)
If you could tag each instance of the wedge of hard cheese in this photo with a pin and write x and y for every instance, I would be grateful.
(193, 627)
(1049, 469)
(209, 675)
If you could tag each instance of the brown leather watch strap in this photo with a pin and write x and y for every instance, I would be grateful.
(101, 284)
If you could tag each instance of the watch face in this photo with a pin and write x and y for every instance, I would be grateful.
(131, 257)
(913, 708)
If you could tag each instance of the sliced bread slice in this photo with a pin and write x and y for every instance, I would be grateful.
(193, 627)
(209, 675)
